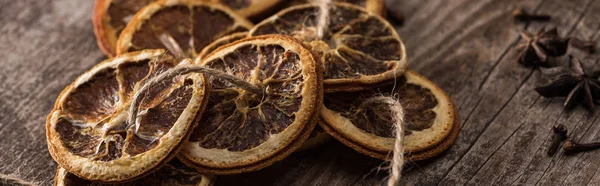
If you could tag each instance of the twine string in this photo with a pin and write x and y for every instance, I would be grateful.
(397, 112)
(322, 22)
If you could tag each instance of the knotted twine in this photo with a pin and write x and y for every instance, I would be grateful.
(395, 107)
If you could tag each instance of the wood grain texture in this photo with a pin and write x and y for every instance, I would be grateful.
(466, 46)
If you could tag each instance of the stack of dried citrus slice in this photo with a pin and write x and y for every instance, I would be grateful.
(197, 81)
(111, 16)
(364, 57)
(91, 136)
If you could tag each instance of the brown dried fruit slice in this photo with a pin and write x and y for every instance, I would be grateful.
(358, 47)
(111, 16)
(316, 138)
(430, 117)
(174, 173)
(184, 27)
(87, 132)
(241, 131)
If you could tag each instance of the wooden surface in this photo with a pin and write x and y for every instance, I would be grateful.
(466, 46)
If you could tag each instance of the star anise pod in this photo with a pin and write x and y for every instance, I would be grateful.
(538, 47)
(577, 86)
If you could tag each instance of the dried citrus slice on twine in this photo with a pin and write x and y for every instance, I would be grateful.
(243, 131)
(183, 27)
(357, 47)
(316, 138)
(88, 133)
(111, 16)
(431, 123)
(173, 173)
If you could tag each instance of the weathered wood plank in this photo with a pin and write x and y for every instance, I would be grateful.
(45, 45)
(466, 46)
(517, 148)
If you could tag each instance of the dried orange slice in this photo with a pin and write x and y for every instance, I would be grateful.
(431, 122)
(316, 138)
(183, 27)
(111, 16)
(174, 173)
(243, 131)
(358, 47)
(87, 131)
